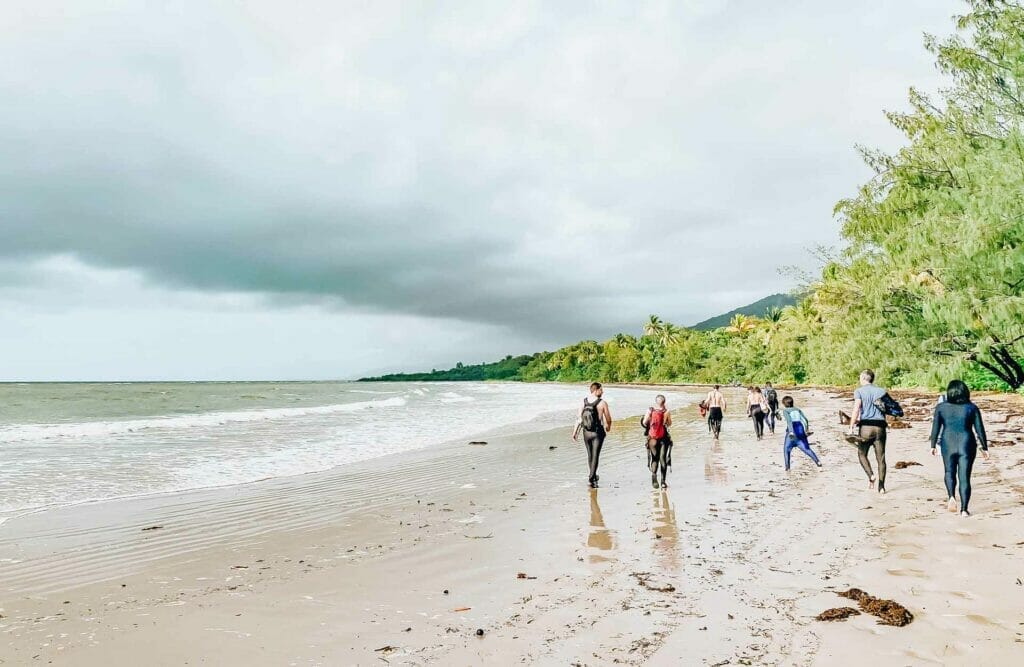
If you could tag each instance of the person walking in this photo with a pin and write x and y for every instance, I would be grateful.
(772, 397)
(659, 442)
(595, 422)
(756, 408)
(957, 429)
(716, 406)
(869, 423)
(797, 430)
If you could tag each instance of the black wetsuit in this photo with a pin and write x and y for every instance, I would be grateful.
(958, 429)
(715, 420)
(594, 441)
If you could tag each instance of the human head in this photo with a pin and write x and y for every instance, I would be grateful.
(717, 387)
(768, 384)
(957, 392)
(757, 390)
(659, 400)
(787, 401)
(595, 388)
(867, 376)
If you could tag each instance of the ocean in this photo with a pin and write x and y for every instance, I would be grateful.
(73, 443)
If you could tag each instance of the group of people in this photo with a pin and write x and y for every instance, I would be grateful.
(957, 431)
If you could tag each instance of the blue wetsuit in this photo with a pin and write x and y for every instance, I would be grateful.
(796, 435)
(957, 427)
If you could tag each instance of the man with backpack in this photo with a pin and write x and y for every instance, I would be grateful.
(870, 405)
(659, 442)
(595, 423)
(772, 397)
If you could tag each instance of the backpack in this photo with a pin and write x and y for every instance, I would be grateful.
(655, 424)
(590, 419)
(771, 396)
(887, 405)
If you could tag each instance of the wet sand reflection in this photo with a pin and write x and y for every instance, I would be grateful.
(714, 470)
(599, 537)
(666, 528)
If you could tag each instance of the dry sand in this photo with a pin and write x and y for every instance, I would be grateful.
(403, 559)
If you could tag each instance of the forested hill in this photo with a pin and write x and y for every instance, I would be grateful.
(756, 309)
(507, 369)
(929, 285)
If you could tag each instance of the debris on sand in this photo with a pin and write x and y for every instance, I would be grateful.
(523, 575)
(550, 447)
(152, 528)
(898, 423)
(837, 614)
(479, 632)
(462, 609)
(478, 442)
(889, 612)
(385, 649)
(643, 579)
(900, 465)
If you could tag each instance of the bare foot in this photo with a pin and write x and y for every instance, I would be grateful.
(871, 484)
(965, 514)
(881, 491)
(951, 504)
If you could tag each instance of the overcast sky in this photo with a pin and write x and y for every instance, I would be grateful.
(206, 189)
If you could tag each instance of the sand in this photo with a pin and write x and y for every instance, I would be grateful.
(500, 554)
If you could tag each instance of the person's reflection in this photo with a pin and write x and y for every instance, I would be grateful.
(714, 471)
(599, 536)
(666, 528)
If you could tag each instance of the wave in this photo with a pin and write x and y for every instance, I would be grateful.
(40, 432)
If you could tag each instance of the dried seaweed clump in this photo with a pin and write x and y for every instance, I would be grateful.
(837, 614)
(889, 612)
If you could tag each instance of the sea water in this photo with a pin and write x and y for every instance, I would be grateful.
(80, 442)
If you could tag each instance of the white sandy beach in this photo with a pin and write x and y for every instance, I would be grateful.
(402, 559)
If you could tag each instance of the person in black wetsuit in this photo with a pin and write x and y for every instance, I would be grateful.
(595, 423)
(772, 397)
(957, 428)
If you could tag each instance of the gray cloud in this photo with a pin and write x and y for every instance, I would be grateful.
(559, 169)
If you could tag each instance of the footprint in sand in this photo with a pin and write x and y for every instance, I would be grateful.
(906, 572)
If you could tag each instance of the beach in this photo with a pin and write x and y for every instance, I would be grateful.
(498, 553)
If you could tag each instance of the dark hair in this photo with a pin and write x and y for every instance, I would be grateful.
(787, 401)
(594, 386)
(870, 374)
(767, 384)
(756, 390)
(659, 399)
(718, 386)
(957, 392)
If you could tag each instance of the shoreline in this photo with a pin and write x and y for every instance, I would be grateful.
(328, 568)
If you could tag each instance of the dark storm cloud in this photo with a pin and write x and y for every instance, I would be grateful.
(562, 171)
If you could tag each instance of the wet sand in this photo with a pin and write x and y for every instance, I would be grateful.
(404, 559)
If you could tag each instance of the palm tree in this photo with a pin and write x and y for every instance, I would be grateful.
(653, 327)
(741, 324)
(625, 341)
(670, 334)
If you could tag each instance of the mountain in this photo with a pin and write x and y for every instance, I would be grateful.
(756, 309)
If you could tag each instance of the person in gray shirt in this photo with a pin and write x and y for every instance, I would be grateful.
(870, 425)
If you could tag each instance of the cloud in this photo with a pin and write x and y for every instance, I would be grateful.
(556, 169)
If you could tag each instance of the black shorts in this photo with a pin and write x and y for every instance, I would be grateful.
(714, 414)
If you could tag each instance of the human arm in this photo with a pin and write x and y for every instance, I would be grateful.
(855, 415)
(606, 413)
(668, 418)
(803, 418)
(936, 428)
(979, 430)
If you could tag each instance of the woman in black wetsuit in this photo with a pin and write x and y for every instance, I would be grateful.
(957, 427)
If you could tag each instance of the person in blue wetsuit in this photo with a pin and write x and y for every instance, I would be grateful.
(957, 428)
(796, 432)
